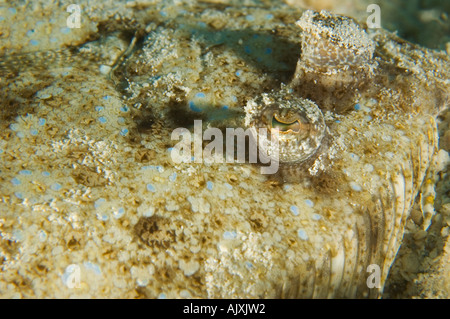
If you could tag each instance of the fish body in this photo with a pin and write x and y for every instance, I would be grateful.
(319, 228)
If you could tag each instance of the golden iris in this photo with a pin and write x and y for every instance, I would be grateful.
(284, 126)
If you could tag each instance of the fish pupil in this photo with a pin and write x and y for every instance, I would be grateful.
(284, 126)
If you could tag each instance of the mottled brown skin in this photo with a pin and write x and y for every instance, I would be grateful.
(336, 75)
(374, 215)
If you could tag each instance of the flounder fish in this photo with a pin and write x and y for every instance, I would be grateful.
(355, 111)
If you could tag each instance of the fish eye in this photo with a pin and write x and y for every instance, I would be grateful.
(299, 122)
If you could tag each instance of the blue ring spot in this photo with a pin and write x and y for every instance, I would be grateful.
(148, 213)
(94, 267)
(103, 217)
(119, 213)
(99, 202)
(302, 234)
(56, 186)
(354, 157)
(151, 188)
(294, 210)
(229, 235)
(18, 195)
(65, 30)
(355, 187)
(193, 107)
(309, 203)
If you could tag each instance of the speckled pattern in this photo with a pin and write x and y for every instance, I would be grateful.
(87, 182)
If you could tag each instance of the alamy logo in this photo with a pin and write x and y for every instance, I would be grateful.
(72, 276)
(373, 281)
(213, 152)
(374, 20)
(74, 20)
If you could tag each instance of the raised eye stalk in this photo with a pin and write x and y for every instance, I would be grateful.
(299, 121)
(333, 43)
